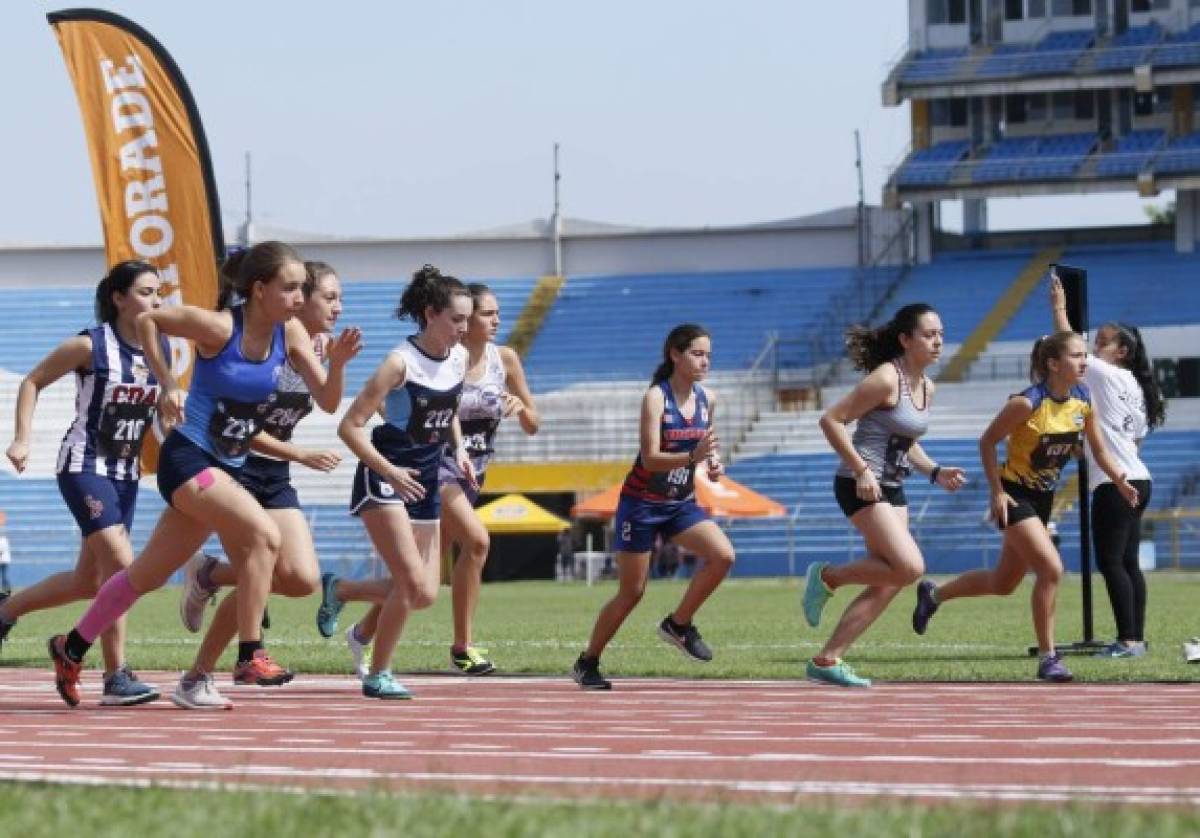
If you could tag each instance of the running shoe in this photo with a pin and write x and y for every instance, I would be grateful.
(586, 673)
(686, 639)
(927, 606)
(260, 670)
(471, 661)
(383, 685)
(358, 651)
(1051, 668)
(123, 689)
(839, 674)
(196, 596)
(1117, 649)
(816, 593)
(330, 607)
(66, 671)
(199, 694)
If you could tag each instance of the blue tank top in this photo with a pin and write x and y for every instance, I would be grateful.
(676, 435)
(115, 401)
(231, 396)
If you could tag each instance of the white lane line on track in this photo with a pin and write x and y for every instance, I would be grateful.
(758, 758)
(473, 746)
(579, 749)
(670, 753)
(297, 741)
(99, 760)
(227, 778)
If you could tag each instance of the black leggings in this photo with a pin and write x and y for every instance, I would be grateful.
(1116, 534)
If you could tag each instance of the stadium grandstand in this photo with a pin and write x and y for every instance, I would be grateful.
(1013, 98)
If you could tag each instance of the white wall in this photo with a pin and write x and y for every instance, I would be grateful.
(824, 243)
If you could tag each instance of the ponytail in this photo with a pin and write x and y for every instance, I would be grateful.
(1046, 349)
(226, 275)
(244, 267)
(118, 280)
(429, 288)
(1137, 361)
(678, 339)
(868, 348)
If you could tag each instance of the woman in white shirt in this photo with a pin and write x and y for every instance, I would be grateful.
(1128, 404)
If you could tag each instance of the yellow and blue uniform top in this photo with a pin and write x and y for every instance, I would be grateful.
(1040, 447)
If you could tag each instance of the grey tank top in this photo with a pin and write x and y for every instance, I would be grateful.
(884, 435)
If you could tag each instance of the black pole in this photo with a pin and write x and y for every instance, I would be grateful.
(1074, 282)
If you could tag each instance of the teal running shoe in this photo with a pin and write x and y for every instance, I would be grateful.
(383, 685)
(838, 675)
(330, 608)
(816, 593)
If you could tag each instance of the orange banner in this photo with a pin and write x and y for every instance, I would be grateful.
(150, 161)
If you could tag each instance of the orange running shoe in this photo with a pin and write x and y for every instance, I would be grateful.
(66, 671)
(261, 671)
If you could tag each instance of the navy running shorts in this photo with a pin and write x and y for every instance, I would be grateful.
(270, 481)
(638, 521)
(180, 459)
(97, 501)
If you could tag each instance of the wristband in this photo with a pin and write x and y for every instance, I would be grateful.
(933, 475)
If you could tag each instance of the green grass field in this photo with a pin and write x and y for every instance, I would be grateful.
(538, 628)
(754, 627)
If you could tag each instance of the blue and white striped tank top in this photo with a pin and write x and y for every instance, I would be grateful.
(115, 402)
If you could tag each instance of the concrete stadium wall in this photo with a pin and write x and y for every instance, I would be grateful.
(754, 247)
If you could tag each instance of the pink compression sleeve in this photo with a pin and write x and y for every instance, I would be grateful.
(116, 596)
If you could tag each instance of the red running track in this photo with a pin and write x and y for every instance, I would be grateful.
(713, 740)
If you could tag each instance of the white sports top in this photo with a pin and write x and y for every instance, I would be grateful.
(1120, 410)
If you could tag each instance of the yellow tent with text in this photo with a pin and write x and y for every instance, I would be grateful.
(518, 515)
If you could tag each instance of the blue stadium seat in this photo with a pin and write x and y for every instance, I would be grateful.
(1125, 282)
(1131, 154)
(1130, 49)
(1181, 155)
(1180, 49)
(933, 65)
(612, 327)
(933, 165)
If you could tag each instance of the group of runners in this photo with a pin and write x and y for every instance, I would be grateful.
(267, 355)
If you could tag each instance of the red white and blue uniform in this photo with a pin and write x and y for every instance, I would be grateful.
(664, 502)
(228, 403)
(116, 397)
(419, 414)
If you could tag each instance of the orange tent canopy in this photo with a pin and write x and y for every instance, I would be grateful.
(723, 499)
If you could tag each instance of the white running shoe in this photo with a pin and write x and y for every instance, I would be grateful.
(358, 651)
(200, 694)
(195, 596)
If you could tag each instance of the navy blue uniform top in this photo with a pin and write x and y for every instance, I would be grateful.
(677, 435)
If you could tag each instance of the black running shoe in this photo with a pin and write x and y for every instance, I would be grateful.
(926, 606)
(686, 639)
(586, 673)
